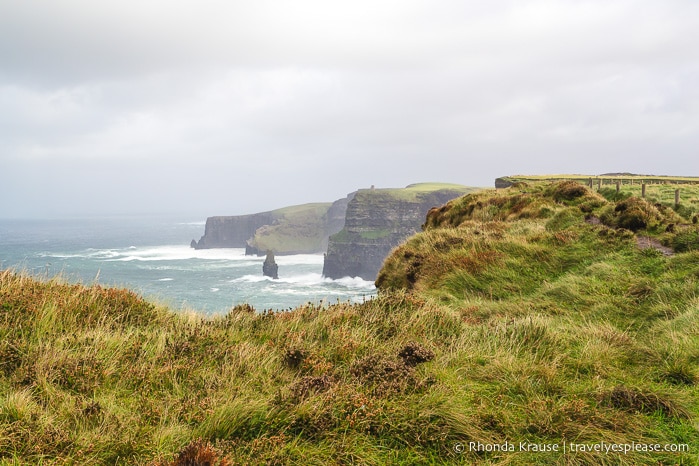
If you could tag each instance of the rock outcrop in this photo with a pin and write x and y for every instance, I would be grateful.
(376, 221)
(501, 183)
(270, 267)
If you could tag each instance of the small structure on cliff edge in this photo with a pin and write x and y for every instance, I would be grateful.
(270, 267)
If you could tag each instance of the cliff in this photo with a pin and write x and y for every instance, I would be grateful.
(301, 229)
(232, 231)
(376, 221)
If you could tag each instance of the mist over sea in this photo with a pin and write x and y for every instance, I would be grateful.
(151, 255)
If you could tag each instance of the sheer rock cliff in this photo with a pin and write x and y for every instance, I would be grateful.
(376, 221)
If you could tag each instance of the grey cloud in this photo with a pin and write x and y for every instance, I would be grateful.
(199, 104)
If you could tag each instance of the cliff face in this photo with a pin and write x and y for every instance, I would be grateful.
(302, 229)
(377, 220)
(231, 232)
(357, 232)
(336, 216)
(501, 183)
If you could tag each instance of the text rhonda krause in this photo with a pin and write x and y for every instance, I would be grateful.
(601, 447)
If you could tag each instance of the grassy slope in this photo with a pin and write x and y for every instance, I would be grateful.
(576, 330)
(298, 228)
(521, 323)
(301, 209)
(411, 193)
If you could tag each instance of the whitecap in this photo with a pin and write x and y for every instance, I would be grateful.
(299, 259)
(308, 279)
(353, 282)
(102, 254)
(284, 291)
(251, 279)
(61, 256)
(179, 252)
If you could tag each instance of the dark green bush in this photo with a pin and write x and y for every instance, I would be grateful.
(632, 214)
(568, 191)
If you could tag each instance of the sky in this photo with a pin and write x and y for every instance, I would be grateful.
(214, 107)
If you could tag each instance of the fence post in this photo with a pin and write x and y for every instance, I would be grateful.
(617, 186)
(643, 190)
(677, 197)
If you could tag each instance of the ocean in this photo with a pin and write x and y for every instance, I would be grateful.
(152, 256)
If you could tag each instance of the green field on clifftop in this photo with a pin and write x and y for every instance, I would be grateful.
(538, 316)
(412, 192)
(300, 228)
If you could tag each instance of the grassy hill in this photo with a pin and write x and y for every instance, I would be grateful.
(413, 191)
(299, 228)
(545, 314)
(659, 189)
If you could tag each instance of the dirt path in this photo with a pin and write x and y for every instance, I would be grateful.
(645, 242)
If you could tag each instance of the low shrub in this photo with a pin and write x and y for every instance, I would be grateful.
(413, 354)
(198, 453)
(568, 191)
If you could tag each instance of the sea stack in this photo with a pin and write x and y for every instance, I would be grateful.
(270, 267)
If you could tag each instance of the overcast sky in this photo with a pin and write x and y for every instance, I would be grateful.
(230, 107)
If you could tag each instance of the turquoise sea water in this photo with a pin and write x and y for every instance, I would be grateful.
(151, 255)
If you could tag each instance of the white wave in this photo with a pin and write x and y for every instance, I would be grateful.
(87, 254)
(309, 279)
(165, 279)
(104, 254)
(251, 279)
(299, 259)
(184, 252)
(214, 290)
(354, 282)
(284, 291)
(61, 256)
(318, 293)
(316, 279)
(175, 252)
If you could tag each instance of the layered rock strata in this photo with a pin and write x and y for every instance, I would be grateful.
(376, 221)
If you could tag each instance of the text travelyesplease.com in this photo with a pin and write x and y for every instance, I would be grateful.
(599, 447)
